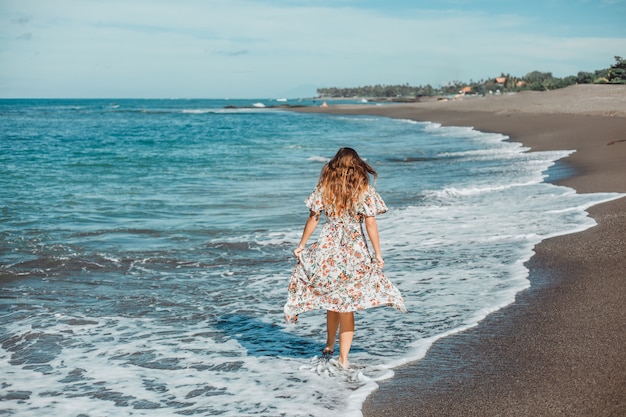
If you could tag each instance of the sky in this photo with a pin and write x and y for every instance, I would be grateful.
(289, 48)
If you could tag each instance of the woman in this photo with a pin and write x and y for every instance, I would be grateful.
(338, 272)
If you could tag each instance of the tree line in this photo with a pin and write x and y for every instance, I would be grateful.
(535, 80)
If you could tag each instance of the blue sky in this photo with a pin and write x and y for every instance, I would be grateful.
(288, 48)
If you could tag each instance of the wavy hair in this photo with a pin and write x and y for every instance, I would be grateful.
(343, 181)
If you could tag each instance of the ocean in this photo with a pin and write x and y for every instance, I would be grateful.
(146, 248)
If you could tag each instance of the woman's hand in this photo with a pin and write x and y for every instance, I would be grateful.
(297, 251)
(379, 261)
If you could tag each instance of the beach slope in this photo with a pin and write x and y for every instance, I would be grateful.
(559, 349)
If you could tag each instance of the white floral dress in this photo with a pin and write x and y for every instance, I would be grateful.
(338, 272)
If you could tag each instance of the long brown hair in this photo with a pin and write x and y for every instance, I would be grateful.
(343, 181)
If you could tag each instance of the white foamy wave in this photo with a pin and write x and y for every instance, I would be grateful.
(453, 192)
(287, 237)
(317, 158)
(360, 119)
(462, 131)
(508, 152)
(412, 122)
(230, 110)
(198, 111)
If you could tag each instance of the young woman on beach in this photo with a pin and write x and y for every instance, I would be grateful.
(338, 273)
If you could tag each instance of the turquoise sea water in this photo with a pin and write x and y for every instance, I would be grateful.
(146, 246)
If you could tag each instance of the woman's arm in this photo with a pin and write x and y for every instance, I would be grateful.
(372, 231)
(309, 228)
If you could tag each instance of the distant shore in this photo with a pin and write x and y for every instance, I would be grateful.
(558, 350)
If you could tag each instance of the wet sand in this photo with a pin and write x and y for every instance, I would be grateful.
(560, 348)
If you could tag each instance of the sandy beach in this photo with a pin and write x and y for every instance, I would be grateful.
(559, 349)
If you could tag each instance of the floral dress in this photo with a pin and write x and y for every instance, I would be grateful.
(338, 272)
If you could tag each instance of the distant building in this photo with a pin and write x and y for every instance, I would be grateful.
(466, 90)
(501, 80)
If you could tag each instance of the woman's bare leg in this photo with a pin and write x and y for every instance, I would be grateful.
(332, 325)
(346, 334)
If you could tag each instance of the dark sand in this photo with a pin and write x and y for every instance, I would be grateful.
(560, 348)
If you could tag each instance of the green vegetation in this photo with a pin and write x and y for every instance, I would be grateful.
(617, 73)
(505, 83)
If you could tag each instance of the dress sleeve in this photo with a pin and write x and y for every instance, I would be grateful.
(373, 204)
(314, 201)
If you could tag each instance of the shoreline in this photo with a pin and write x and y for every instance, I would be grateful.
(558, 348)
